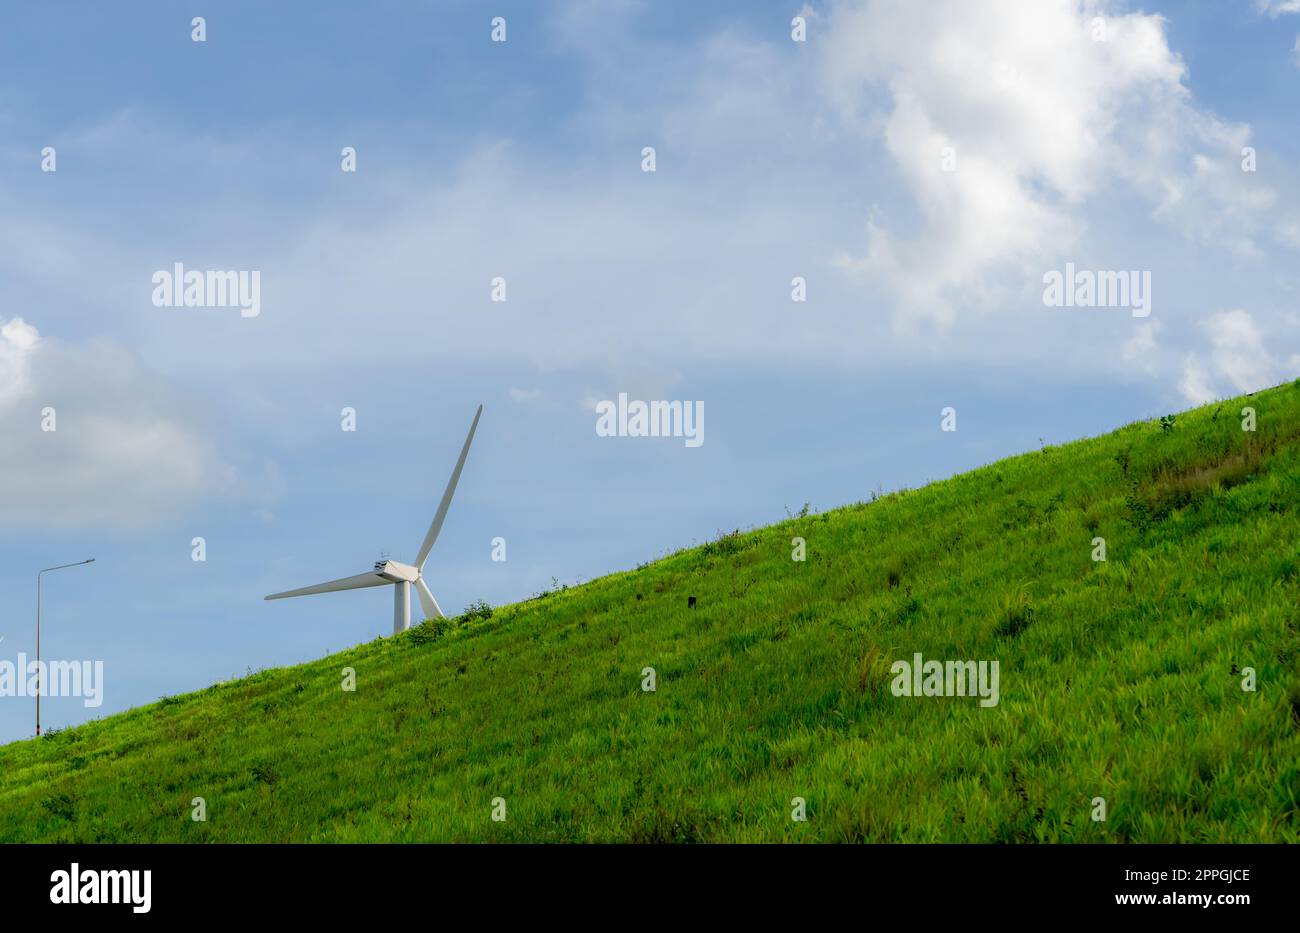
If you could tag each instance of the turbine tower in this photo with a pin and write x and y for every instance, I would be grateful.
(398, 575)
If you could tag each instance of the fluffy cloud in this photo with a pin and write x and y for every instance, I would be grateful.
(1194, 384)
(1238, 360)
(773, 156)
(124, 451)
(1039, 109)
(1275, 8)
(17, 341)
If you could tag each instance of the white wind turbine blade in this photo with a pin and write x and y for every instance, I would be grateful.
(360, 581)
(438, 519)
(430, 605)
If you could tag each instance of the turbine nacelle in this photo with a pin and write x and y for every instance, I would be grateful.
(401, 577)
(396, 571)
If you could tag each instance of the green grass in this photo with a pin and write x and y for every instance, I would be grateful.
(1119, 680)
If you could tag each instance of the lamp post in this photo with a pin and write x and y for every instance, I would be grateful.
(40, 679)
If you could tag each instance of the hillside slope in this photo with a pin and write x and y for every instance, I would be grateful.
(1119, 679)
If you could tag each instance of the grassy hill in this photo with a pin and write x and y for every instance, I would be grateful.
(1119, 679)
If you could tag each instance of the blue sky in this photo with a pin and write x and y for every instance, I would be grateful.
(522, 159)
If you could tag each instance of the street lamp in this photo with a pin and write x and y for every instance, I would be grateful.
(39, 678)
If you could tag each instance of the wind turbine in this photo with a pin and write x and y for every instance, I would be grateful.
(398, 575)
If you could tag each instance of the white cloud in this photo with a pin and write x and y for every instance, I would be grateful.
(17, 341)
(1041, 119)
(1238, 360)
(1237, 349)
(1275, 8)
(768, 168)
(1140, 349)
(124, 450)
(1194, 385)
